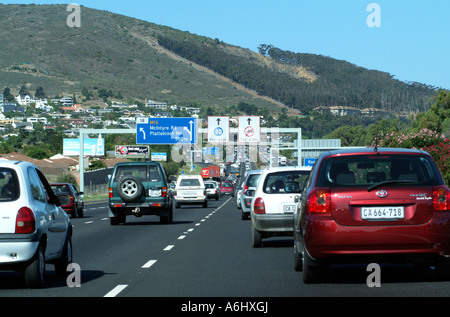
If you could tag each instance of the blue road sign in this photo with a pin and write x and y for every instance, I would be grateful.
(166, 131)
(310, 161)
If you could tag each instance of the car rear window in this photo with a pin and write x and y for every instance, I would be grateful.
(367, 170)
(275, 182)
(61, 189)
(252, 180)
(190, 182)
(139, 172)
(9, 185)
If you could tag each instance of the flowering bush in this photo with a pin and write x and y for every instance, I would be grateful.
(427, 140)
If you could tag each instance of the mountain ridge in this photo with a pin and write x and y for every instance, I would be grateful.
(127, 55)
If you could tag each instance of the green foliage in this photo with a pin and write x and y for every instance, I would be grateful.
(67, 178)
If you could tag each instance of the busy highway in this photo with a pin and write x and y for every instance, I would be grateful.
(205, 252)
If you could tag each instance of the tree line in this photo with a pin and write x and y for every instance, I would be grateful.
(339, 83)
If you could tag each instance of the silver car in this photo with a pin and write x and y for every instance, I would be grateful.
(34, 229)
(275, 200)
(248, 189)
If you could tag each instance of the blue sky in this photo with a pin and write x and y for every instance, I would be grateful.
(412, 43)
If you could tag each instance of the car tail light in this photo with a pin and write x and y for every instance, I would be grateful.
(110, 191)
(245, 189)
(25, 221)
(164, 192)
(174, 192)
(258, 206)
(441, 198)
(319, 200)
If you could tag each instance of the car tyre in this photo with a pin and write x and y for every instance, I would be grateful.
(66, 258)
(35, 271)
(312, 269)
(256, 238)
(443, 269)
(205, 204)
(298, 261)
(167, 219)
(129, 188)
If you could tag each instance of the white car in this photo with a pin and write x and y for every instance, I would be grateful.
(275, 200)
(34, 229)
(190, 190)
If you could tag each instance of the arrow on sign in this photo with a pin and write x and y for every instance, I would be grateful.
(190, 127)
(143, 132)
(249, 120)
(218, 121)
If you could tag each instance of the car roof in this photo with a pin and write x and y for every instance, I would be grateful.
(137, 163)
(288, 168)
(13, 164)
(367, 150)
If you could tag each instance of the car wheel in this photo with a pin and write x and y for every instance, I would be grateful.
(312, 269)
(81, 212)
(244, 216)
(443, 269)
(297, 260)
(66, 258)
(167, 219)
(129, 188)
(35, 271)
(177, 205)
(256, 238)
(114, 221)
(205, 204)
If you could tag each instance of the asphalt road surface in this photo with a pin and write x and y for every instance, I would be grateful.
(205, 253)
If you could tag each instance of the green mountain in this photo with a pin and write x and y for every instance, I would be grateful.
(142, 60)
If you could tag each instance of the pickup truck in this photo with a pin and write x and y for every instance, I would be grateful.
(190, 190)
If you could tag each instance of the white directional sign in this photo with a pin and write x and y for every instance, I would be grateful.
(218, 129)
(249, 129)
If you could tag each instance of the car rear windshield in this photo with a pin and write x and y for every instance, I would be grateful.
(61, 189)
(139, 172)
(367, 170)
(9, 185)
(252, 180)
(189, 182)
(277, 182)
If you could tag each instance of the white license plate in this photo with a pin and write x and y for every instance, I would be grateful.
(289, 209)
(383, 213)
(155, 192)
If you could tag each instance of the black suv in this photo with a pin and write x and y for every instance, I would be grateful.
(139, 188)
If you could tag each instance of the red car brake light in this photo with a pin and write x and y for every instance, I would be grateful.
(319, 201)
(441, 198)
(25, 221)
(110, 192)
(258, 206)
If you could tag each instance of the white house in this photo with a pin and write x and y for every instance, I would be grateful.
(25, 100)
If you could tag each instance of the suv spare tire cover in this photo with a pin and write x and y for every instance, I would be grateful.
(129, 188)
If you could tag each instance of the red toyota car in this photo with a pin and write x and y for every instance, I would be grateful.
(373, 205)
